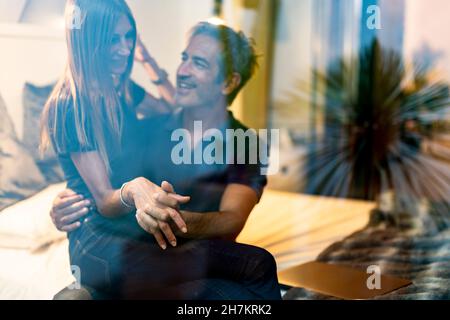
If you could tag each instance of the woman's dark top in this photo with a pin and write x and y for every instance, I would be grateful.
(124, 161)
(204, 183)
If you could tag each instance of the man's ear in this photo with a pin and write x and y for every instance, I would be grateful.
(231, 84)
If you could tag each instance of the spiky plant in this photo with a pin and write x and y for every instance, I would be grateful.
(377, 121)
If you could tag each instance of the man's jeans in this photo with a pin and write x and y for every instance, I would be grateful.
(121, 267)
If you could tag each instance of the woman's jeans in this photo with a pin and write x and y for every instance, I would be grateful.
(119, 266)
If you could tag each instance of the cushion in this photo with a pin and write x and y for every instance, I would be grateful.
(34, 99)
(6, 124)
(19, 175)
(28, 225)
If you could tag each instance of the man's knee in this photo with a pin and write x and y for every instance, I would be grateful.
(73, 294)
(264, 261)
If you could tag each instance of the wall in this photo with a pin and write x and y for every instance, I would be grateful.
(426, 31)
(27, 53)
(164, 25)
(293, 58)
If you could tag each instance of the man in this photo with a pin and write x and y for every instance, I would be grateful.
(216, 65)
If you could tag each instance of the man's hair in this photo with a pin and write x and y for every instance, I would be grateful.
(238, 53)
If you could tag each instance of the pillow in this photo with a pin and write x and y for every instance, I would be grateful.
(28, 225)
(6, 124)
(19, 175)
(34, 99)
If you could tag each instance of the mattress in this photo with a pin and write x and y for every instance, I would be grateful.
(33, 254)
(26, 275)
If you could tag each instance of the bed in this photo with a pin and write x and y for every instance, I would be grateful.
(33, 254)
(295, 228)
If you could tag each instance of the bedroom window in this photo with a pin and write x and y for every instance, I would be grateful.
(329, 105)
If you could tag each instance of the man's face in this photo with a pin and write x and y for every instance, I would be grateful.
(199, 82)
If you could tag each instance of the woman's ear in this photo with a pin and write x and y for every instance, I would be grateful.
(231, 84)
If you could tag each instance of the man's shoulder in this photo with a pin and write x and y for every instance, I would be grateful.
(235, 123)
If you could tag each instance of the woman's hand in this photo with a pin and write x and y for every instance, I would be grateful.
(69, 207)
(141, 53)
(155, 209)
(157, 75)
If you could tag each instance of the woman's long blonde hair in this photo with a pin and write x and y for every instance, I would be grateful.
(87, 85)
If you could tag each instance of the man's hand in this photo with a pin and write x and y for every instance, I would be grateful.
(155, 209)
(69, 207)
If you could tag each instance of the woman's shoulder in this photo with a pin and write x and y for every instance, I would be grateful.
(59, 101)
(60, 111)
(65, 127)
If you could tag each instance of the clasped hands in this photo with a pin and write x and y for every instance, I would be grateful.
(157, 209)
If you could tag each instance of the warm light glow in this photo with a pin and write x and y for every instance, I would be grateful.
(216, 21)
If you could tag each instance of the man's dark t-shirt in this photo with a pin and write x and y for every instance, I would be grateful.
(204, 183)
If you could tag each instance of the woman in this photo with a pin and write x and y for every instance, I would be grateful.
(94, 105)
(91, 121)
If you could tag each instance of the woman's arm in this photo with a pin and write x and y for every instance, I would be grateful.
(157, 75)
(93, 171)
(142, 194)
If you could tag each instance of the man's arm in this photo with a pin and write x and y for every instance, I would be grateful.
(236, 205)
